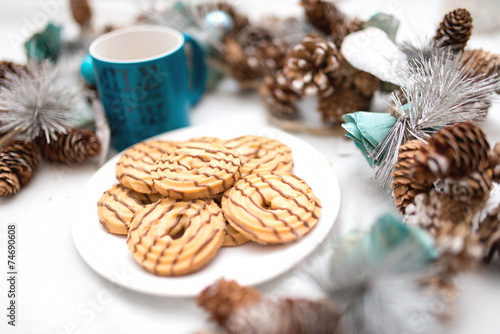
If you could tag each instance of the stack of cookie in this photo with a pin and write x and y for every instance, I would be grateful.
(179, 202)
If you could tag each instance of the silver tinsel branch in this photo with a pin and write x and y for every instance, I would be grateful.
(439, 93)
(37, 101)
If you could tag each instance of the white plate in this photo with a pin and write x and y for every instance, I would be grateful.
(249, 264)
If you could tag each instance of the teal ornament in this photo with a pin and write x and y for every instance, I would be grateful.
(218, 24)
(385, 22)
(389, 233)
(87, 70)
(45, 44)
(368, 129)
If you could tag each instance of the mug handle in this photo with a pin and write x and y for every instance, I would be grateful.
(198, 73)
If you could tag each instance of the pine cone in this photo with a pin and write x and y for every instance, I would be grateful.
(258, 42)
(342, 101)
(242, 67)
(9, 182)
(403, 184)
(480, 63)
(455, 30)
(458, 247)
(81, 11)
(495, 163)
(435, 209)
(473, 189)
(312, 66)
(454, 151)
(326, 17)
(22, 158)
(241, 310)
(290, 316)
(277, 94)
(489, 233)
(75, 146)
(223, 297)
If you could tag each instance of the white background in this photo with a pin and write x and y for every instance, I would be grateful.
(59, 293)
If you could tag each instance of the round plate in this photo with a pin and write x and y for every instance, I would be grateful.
(249, 264)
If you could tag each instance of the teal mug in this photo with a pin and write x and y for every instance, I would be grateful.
(143, 81)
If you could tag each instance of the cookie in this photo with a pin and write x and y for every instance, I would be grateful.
(133, 169)
(195, 170)
(233, 238)
(271, 207)
(260, 154)
(116, 207)
(172, 237)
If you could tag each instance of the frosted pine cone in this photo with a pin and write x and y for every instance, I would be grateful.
(312, 66)
(455, 30)
(22, 158)
(489, 233)
(459, 248)
(75, 146)
(473, 189)
(495, 163)
(277, 94)
(403, 184)
(454, 151)
(242, 67)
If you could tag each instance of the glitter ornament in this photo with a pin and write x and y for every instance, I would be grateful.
(218, 24)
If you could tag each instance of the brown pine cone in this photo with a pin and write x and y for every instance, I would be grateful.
(224, 297)
(242, 67)
(454, 151)
(279, 97)
(312, 66)
(326, 17)
(480, 63)
(22, 158)
(9, 66)
(9, 182)
(75, 146)
(455, 30)
(81, 11)
(495, 163)
(489, 233)
(342, 101)
(403, 184)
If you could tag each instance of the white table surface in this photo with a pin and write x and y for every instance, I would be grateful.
(59, 293)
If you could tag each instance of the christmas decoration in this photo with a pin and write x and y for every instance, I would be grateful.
(37, 101)
(75, 146)
(18, 162)
(455, 30)
(242, 310)
(429, 106)
(489, 233)
(218, 23)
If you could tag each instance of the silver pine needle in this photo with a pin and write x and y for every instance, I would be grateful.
(37, 101)
(384, 297)
(440, 93)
